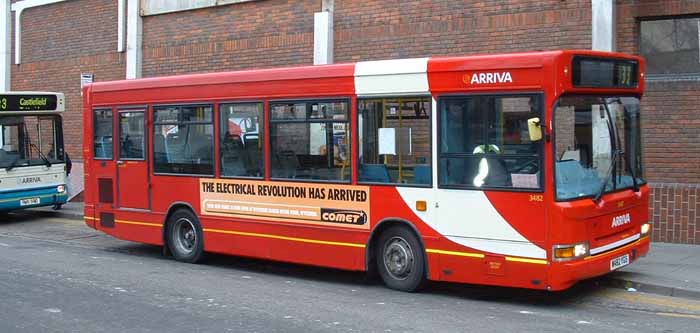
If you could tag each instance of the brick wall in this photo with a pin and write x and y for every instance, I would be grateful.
(671, 129)
(378, 29)
(674, 211)
(60, 41)
(258, 34)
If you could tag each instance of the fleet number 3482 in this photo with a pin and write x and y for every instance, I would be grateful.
(536, 197)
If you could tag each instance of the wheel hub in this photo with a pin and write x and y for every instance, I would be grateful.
(185, 235)
(398, 258)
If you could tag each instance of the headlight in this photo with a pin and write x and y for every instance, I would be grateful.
(580, 250)
(570, 252)
(646, 227)
(61, 188)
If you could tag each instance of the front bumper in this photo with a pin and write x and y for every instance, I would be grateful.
(48, 196)
(563, 275)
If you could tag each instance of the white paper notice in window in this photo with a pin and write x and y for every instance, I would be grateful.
(524, 180)
(387, 141)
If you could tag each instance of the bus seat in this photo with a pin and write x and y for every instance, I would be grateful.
(175, 147)
(498, 173)
(288, 163)
(200, 147)
(422, 174)
(252, 155)
(232, 159)
(159, 149)
(99, 149)
(377, 173)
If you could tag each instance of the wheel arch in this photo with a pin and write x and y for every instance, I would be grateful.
(384, 224)
(175, 206)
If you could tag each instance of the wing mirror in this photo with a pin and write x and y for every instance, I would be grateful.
(534, 129)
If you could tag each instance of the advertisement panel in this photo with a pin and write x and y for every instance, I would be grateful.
(306, 203)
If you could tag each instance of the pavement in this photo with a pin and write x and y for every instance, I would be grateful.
(668, 269)
(70, 210)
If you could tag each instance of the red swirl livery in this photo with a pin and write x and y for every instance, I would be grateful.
(520, 170)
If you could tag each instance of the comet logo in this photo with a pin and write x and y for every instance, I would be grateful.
(488, 78)
(621, 220)
(343, 216)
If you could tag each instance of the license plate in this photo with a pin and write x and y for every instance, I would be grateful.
(27, 202)
(619, 262)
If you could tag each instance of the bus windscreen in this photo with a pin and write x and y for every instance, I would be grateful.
(591, 72)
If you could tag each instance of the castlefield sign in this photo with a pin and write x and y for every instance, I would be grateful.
(17, 102)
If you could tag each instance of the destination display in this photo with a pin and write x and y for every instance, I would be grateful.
(591, 72)
(19, 102)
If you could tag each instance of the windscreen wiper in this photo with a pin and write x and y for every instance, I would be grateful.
(46, 160)
(635, 185)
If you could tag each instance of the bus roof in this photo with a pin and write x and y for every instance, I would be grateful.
(337, 79)
(31, 102)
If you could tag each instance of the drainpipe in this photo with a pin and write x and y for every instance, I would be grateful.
(121, 18)
(133, 40)
(603, 24)
(5, 40)
(323, 34)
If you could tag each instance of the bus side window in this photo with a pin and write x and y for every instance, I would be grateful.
(240, 148)
(395, 140)
(183, 140)
(310, 140)
(131, 131)
(485, 142)
(102, 134)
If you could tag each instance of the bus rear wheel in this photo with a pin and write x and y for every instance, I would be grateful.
(184, 237)
(400, 259)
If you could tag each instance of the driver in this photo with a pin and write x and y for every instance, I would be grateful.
(483, 149)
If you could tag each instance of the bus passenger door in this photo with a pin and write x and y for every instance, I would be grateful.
(133, 190)
(101, 172)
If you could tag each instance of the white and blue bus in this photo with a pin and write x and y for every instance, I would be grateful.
(33, 163)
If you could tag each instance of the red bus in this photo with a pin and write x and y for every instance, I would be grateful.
(518, 170)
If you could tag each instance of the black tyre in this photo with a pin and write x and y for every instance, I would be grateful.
(184, 236)
(401, 259)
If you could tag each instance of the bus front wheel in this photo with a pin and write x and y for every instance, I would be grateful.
(400, 259)
(185, 237)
